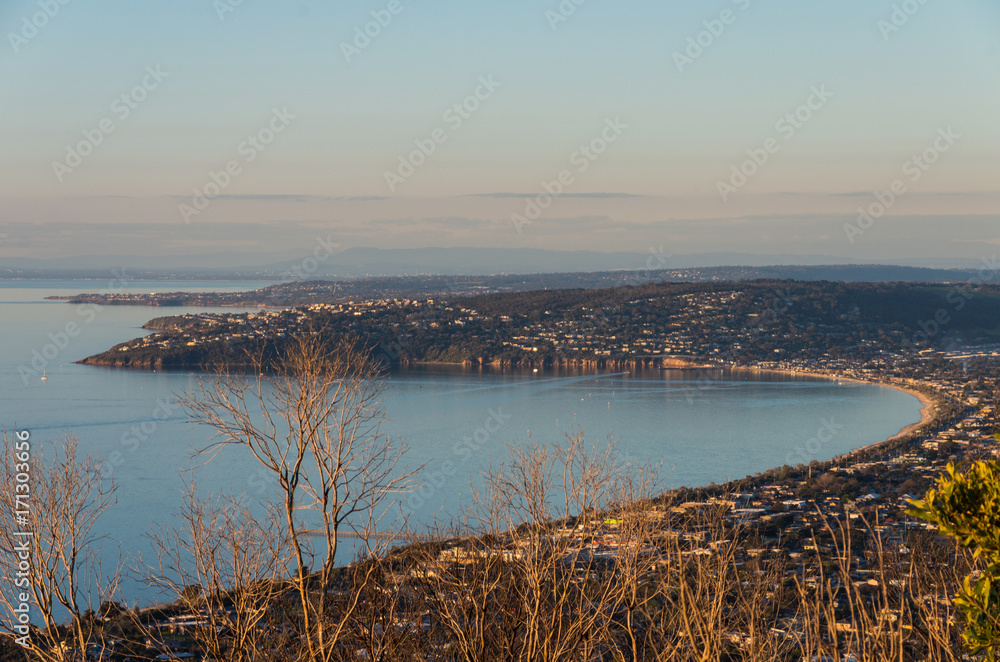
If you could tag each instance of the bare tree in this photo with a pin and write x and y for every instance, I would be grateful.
(51, 563)
(315, 425)
(391, 622)
(223, 564)
(535, 578)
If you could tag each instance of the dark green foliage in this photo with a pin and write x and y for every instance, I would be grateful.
(966, 506)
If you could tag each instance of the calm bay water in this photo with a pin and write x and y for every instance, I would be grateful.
(455, 421)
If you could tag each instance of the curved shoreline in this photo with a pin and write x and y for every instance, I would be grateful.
(927, 411)
(928, 406)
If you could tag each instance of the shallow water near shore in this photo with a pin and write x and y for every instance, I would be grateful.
(700, 426)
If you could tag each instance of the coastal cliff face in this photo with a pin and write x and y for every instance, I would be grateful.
(114, 359)
(124, 362)
(603, 363)
(200, 342)
(197, 361)
(180, 357)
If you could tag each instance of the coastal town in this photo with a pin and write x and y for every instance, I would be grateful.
(787, 528)
(731, 324)
(779, 529)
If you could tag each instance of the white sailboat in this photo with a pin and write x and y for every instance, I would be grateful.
(44, 378)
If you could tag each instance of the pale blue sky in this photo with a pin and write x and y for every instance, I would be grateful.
(557, 89)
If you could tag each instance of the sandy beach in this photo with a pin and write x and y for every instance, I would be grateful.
(926, 412)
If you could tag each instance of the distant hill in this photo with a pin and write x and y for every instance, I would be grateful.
(367, 262)
(495, 261)
(848, 273)
(356, 263)
(731, 323)
(306, 292)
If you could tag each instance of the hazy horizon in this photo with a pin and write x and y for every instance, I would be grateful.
(202, 127)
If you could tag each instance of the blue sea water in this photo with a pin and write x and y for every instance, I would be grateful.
(454, 421)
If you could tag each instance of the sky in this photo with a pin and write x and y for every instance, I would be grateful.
(863, 129)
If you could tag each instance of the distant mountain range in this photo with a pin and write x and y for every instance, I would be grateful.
(374, 262)
(308, 292)
(848, 273)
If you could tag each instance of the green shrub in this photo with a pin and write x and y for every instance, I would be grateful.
(966, 506)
